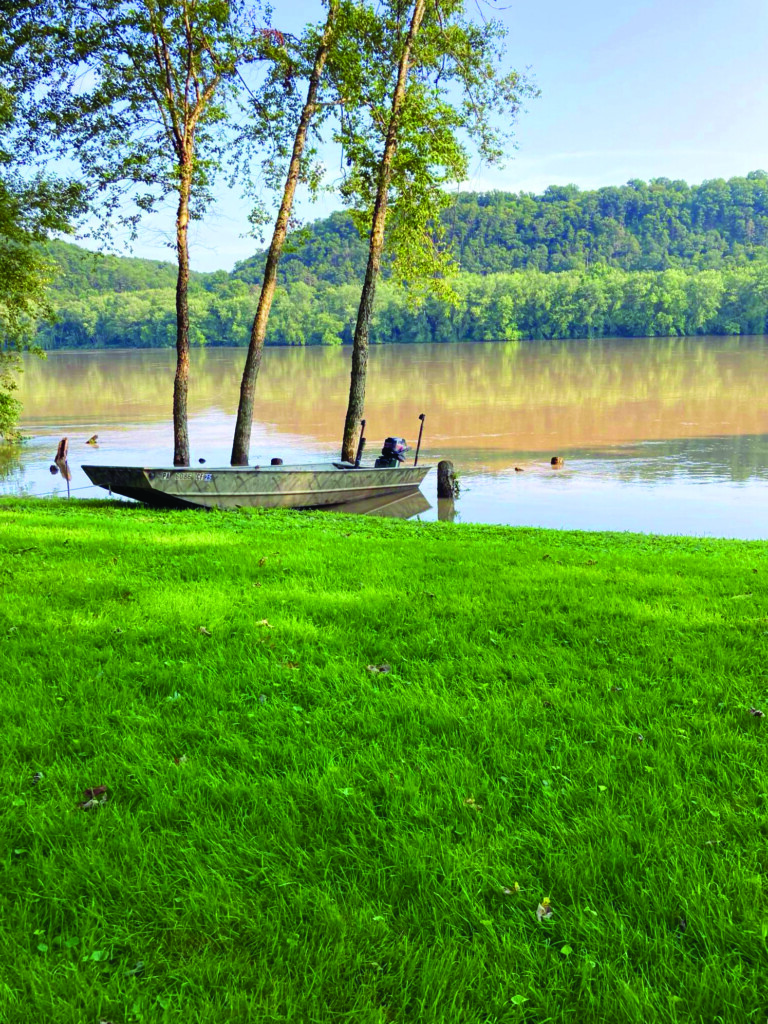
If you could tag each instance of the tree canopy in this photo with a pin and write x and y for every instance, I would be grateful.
(31, 207)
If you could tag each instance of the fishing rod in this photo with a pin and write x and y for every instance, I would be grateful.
(418, 443)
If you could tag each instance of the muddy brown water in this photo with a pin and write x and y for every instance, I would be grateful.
(658, 435)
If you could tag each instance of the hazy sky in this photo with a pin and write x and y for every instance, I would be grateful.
(669, 88)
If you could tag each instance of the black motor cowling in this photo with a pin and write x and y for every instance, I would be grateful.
(392, 453)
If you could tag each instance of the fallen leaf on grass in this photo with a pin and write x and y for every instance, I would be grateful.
(615, 689)
(97, 795)
(257, 584)
(263, 560)
(379, 668)
(682, 924)
(291, 664)
(181, 760)
(547, 704)
(471, 802)
(544, 909)
(639, 738)
(138, 969)
(204, 631)
(36, 778)
(264, 622)
(511, 892)
(757, 713)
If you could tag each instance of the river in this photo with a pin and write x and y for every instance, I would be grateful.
(658, 435)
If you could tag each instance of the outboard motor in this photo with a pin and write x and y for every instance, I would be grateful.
(393, 453)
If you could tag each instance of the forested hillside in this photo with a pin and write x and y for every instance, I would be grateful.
(639, 226)
(662, 258)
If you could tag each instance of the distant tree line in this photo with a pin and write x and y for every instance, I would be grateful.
(599, 302)
(643, 260)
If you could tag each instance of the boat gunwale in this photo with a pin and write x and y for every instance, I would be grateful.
(318, 467)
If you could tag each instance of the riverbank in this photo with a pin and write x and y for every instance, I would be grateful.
(346, 759)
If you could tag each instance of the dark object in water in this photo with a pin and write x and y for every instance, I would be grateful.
(201, 461)
(447, 484)
(519, 469)
(93, 440)
(54, 470)
(557, 460)
(276, 462)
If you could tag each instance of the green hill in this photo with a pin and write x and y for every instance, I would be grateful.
(657, 258)
(638, 226)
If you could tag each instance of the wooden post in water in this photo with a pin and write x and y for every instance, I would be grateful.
(446, 480)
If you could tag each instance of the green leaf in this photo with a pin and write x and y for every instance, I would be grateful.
(518, 1000)
(566, 950)
(42, 947)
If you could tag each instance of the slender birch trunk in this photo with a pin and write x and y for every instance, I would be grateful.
(356, 403)
(181, 381)
(242, 439)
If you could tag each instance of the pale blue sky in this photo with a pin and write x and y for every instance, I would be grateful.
(675, 89)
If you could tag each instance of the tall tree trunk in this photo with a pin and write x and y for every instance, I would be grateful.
(356, 404)
(242, 439)
(181, 382)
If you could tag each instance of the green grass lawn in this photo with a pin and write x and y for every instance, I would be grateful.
(291, 837)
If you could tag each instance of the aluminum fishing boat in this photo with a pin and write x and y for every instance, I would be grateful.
(314, 485)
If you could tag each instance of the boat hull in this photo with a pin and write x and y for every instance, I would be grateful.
(309, 486)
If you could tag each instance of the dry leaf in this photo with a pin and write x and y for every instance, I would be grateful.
(682, 923)
(379, 668)
(471, 802)
(181, 760)
(205, 632)
(615, 689)
(511, 892)
(291, 664)
(547, 703)
(36, 778)
(95, 791)
(756, 713)
(264, 622)
(262, 560)
(544, 909)
(257, 584)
